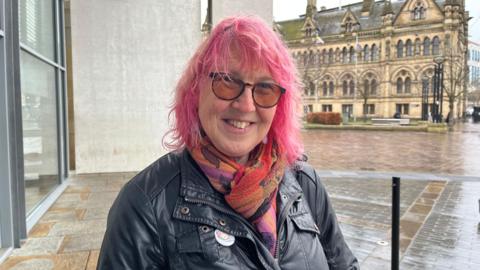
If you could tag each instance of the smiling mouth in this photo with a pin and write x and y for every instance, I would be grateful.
(238, 124)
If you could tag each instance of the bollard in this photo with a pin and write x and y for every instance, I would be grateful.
(395, 223)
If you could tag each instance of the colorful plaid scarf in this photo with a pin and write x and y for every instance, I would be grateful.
(249, 189)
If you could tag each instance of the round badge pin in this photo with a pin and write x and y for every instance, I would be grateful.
(224, 239)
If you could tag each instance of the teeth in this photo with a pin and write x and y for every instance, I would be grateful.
(238, 124)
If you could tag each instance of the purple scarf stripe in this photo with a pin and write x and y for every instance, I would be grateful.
(217, 174)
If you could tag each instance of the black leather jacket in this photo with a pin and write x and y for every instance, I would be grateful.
(167, 215)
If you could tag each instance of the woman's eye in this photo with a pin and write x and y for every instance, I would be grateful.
(265, 85)
(228, 79)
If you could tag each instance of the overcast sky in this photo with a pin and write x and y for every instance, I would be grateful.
(291, 9)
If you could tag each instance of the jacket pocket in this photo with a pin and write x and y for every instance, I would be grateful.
(198, 244)
(304, 222)
(303, 244)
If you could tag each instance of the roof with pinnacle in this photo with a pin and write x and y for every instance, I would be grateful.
(329, 20)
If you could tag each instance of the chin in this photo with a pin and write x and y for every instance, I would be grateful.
(235, 152)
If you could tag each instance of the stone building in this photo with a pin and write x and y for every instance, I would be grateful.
(374, 58)
(474, 61)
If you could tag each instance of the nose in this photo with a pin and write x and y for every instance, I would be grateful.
(245, 101)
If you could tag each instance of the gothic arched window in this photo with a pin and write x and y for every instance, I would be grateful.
(311, 86)
(311, 58)
(418, 11)
(345, 88)
(324, 88)
(348, 25)
(409, 46)
(408, 85)
(352, 87)
(373, 87)
(366, 87)
(399, 85)
(374, 52)
(366, 53)
(418, 46)
(426, 46)
(351, 55)
(436, 46)
(400, 49)
(331, 88)
(344, 55)
(330, 56)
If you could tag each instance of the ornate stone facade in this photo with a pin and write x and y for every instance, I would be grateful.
(374, 58)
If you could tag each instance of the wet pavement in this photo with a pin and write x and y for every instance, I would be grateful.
(440, 218)
(440, 223)
(70, 234)
(456, 152)
(450, 237)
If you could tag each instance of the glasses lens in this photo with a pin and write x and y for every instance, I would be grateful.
(266, 94)
(225, 87)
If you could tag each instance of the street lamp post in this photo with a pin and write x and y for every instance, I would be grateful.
(438, 90)
(357, 53)
(425, 87)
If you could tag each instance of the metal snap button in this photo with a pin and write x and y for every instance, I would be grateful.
(185, 210)
(204, 228)
(222, 222)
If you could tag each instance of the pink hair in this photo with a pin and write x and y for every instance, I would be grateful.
(259, 46)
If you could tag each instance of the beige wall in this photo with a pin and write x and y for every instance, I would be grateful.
(127, 57)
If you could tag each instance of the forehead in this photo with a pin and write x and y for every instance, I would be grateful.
(246, 66)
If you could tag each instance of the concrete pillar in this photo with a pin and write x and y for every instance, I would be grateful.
(127, 56)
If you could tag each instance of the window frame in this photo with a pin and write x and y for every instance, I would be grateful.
(436, 45)
(399, 86)
(400, 49)
(409, 48)
(427, 47)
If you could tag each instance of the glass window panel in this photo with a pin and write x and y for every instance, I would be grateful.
(36, 26)
(61, 24)
(2, 16)
(39, 119)
(400, 49)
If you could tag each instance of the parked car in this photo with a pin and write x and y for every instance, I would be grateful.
(469, 111)
(476, 114)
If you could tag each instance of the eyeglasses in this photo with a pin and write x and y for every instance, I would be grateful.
(225, 87)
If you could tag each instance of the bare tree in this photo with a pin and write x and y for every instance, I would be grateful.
(455, 75)
(364, 94)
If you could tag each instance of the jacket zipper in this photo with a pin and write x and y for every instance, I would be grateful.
(281, 221)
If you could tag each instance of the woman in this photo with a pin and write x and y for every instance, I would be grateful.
(233, 194)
